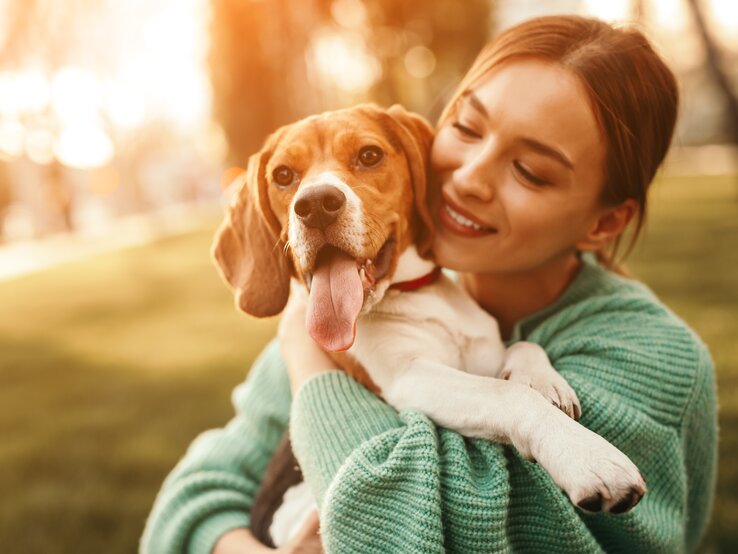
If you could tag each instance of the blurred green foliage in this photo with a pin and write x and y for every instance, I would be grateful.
(111, 366)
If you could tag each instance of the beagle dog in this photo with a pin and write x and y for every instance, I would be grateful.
(337, 204)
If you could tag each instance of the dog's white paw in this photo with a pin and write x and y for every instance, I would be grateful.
(592, 472)
(550, 384)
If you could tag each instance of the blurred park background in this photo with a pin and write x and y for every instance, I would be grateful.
(121, 125)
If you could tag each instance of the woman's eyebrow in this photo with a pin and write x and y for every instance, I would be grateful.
(475, 103)
(533, 144)
(547, 150)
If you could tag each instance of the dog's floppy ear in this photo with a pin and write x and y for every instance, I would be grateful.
(247, 246)
(416, 137)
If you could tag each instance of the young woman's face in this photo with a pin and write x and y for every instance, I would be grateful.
(520, 171)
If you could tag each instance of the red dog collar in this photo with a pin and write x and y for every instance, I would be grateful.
(406, 286)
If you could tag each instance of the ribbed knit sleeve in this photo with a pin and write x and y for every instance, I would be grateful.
(210, 490)
(336, 416)
(389, 483)
(700, 420)
(641, 376)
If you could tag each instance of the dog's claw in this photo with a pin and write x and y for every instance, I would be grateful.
(626, 504)
(591, 504)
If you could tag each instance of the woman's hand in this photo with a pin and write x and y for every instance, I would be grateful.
(303, 357)
(242, 541)
(306, 540)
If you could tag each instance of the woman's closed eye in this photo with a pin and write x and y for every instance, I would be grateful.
(527, 175)
(465, 131)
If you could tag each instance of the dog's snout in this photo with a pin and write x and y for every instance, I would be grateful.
(320, 205)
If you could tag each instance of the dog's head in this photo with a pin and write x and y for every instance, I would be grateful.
(332, 200)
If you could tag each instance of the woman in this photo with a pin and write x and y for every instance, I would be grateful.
(542, 158)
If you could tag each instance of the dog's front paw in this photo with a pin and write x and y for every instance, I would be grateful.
(592, 472)
(550, 384)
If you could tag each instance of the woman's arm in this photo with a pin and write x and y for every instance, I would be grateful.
(241, 541)
(210, 490)
(390, 483)
(302, 356)
(306, 362)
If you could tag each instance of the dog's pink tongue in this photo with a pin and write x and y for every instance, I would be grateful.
(336, 297)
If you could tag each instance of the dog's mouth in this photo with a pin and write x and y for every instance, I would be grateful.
(339, 284)
(371, 270)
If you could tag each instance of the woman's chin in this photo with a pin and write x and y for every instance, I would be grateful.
(447, 252)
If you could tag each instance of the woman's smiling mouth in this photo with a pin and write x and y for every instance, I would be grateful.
(460, 223)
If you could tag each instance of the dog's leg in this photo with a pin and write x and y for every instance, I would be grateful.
(592, 472)
(526, 363)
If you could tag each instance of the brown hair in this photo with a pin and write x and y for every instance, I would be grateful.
(632, 92)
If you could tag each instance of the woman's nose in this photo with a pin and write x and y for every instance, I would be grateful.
(476, 177)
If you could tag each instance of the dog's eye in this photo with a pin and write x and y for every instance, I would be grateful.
(283, 175)
(370, 156)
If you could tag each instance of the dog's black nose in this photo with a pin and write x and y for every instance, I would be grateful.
(320, 205)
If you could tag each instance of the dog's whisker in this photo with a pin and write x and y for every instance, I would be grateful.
(276, 245)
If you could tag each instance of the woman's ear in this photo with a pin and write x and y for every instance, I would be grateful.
(247, 248)
(610, 223)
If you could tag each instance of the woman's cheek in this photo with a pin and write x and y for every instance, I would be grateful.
(443, 152)
(517, 198)
(527, 209)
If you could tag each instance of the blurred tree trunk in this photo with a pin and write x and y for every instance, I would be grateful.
(454, 32)
(637, 10)
(717, 72)
(257, 68)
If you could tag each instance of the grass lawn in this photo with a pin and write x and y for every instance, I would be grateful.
(109, 368)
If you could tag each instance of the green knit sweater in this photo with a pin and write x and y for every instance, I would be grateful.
(395, 483)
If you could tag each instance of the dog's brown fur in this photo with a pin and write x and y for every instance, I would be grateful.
(250, 247)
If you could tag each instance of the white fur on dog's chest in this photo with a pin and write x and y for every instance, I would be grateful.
(434, 350)
(439, 322)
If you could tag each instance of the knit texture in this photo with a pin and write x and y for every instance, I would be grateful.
(395, 483)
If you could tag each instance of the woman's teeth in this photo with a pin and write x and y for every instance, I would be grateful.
(461, 220)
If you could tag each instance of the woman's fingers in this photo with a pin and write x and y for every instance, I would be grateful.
(311, 525)
(307, 538)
